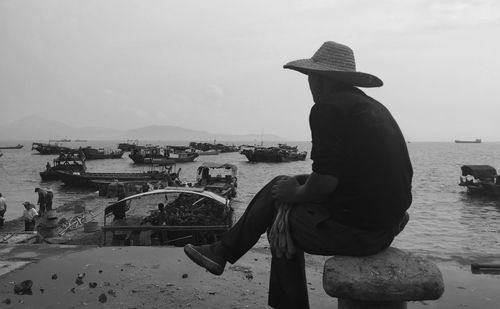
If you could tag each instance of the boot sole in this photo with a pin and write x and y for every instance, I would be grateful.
(210, 265)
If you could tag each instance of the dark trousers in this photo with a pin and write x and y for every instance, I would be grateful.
(29, 225)
(313, 231)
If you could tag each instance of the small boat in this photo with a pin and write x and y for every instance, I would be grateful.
(480, 179)
(215, 146)
(476, 141)
(191, 215)
(153, 154)
(129, 145)
(1, 154)
(18, 146)
(218, 178)
(69, 162)
(101, 153)
(64, 140)
(282, 153)
(45, 149)
(158, 172)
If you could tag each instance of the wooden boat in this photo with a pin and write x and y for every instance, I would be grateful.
(476, 141)
(142, 185)
(101, 153)
(85, 179)
(18, 146)
(480, 179)
(191, 215)
(215, 146)
(69, 162)
(129, 145)
(218, 178)
(282, 153)
(45, 149)
(151, 154)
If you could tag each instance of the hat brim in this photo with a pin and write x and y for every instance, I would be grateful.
(307, 66)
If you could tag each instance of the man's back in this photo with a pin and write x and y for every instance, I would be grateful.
(369, 156)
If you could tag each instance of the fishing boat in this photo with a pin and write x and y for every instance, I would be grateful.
(101, 153)
(221, 148)
(46, 149)
(69, 162)
(129, 145)
(18, 146)
(158, 172)
(282, 153)
(110, 188)
(480, 179)
(151, 154)
(220, 178)
(476, 141)
(191, 215)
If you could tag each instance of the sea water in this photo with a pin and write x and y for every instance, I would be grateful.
(445, 221)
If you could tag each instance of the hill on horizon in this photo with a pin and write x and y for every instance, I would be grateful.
(42, 129)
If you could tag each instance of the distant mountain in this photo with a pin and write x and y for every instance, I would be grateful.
(37, 128)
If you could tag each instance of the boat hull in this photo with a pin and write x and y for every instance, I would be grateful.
(90, 179)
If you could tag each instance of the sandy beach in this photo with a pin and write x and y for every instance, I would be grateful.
(163, 277)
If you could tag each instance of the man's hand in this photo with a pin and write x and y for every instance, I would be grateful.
(285, 189)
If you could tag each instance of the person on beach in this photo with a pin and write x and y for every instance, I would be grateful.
(3, 209)
(42, 201)
(49, 199)
(353, 202)
(29, 215)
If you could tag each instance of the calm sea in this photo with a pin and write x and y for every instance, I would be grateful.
(445, 222)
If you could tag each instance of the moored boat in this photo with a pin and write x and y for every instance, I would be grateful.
(220, 178)
(476, 141)
(189, 215)
(151, 154)
(87, 179)
(160, 172)
(282, 153)
(129, 145)
(45, 149)
(69, 162)
(480, 179)
(18, 146)
(101, 153)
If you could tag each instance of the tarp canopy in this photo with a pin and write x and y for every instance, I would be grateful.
(172, 190)
(479, 171)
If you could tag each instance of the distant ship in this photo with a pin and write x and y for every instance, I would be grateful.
(476, 141)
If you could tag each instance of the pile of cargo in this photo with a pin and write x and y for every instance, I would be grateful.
(188, 209)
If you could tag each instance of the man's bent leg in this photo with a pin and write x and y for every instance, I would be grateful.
(254, 222)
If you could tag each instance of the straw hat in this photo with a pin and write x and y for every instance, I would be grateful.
(335, 61)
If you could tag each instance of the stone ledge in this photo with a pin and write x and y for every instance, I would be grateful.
(391, 275)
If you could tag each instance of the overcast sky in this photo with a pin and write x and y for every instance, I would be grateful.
(217, 65)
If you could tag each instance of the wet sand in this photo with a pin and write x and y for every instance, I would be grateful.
(162, 277)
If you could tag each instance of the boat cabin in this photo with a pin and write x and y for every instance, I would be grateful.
(218, 178)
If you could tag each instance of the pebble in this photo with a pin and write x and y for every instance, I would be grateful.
(102, 298)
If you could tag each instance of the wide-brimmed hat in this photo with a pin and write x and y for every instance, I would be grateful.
(335, 61)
